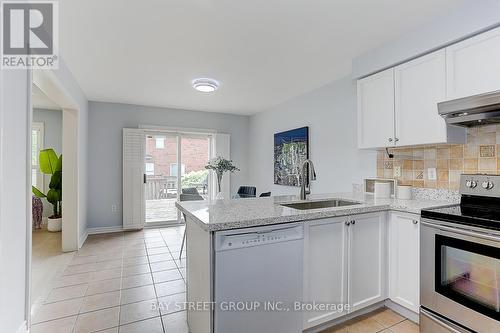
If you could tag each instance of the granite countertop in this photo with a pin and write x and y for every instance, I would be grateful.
(217, 215)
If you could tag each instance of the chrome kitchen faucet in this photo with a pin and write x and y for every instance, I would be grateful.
(305, 185)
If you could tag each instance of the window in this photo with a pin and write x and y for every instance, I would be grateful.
(36, 146)
(173, 169)
(468, 273)
(160, 142)
(150, 168)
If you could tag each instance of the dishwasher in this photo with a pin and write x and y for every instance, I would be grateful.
(258, 279)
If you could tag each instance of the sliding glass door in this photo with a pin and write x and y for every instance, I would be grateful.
(195, 153)
(174, 163)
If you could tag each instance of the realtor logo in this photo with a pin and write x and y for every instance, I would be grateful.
(30, 34)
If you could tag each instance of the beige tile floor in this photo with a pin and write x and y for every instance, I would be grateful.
(382, 320)
(116, 281)
(47, 261)
(114, 284)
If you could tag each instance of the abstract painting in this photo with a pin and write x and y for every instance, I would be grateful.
(291, 149)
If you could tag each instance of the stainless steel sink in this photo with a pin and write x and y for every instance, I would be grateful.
(320, 204)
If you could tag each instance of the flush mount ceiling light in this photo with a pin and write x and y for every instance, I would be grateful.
(205, 85)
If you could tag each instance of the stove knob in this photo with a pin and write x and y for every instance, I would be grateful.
(471, 183)
(487, 185)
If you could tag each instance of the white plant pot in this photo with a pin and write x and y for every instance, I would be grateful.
(54, 225)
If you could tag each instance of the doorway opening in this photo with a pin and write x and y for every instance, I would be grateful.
(174, 164)
(47, 256)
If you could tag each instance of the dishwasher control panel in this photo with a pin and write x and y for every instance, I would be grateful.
(257, 237)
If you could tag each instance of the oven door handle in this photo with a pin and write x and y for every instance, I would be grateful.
(462, 231)
(442, 322)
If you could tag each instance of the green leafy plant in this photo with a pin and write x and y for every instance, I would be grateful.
(194, 178)
(220, 165)
(51, 164)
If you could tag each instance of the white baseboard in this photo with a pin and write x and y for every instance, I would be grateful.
(83, 239)
(344, 318)
(103, 230)
(23, 328)
(402, 311)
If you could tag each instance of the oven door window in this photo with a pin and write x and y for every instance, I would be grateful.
(469, 274)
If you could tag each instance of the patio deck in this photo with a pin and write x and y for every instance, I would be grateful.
(161, 210)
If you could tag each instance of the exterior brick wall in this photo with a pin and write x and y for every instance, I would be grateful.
(195, 152)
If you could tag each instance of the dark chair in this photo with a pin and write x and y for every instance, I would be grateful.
(189, 190)
(247, 191)
(265, 194)
(191, 196)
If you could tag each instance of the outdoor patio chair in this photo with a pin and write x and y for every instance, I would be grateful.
(190, 190)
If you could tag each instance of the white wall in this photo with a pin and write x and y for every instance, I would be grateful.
(52, 123)
(471, 18)
(106, 121)
(330, 113)
(14, 195)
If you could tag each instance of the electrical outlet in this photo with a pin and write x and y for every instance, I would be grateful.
(397, 171)
(114, 208)
(431, 174)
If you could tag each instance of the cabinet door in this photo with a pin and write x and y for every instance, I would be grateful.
(419, 85)
(367, 260)
(473, 66)
(325, 263)
(376, 110)
(404, 260)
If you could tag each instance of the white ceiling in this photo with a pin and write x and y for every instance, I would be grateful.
(262, 51)
(41, 101)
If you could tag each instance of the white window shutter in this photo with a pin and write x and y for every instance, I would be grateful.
(222, 148)
(134, 142)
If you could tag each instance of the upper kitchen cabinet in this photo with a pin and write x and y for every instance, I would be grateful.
(419, 85)
(398, 107)
(473, 65)
(376, 110)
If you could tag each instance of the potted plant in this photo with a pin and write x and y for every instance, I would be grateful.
(220, 166)
(51, 164)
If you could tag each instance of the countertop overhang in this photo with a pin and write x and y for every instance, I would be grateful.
(218, 215)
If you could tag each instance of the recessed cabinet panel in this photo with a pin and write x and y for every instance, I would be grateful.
(473, 65)
(325, 268)
(419, 85)
(404, 260)
(376, 110)
(367, 276)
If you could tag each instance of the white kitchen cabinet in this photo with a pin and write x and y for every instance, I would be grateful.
(473, 65)
(376, 110)
(325, 267)
(404, 260)
(419, 85)
(367, 260)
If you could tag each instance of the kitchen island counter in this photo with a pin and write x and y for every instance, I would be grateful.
(218, 215)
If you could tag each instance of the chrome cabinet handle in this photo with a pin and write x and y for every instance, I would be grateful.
(353, 222)
(396, 139)
(347, 223)
(415, 222)
(390, 139)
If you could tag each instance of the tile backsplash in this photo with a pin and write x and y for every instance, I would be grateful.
(440, 166)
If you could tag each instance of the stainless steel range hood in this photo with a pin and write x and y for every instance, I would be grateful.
(472, 111)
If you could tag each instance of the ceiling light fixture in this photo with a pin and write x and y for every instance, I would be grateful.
(205, 85)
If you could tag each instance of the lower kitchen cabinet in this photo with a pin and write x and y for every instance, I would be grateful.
(344, 263)
(404, 260)
(367, 260)
(325, 268)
